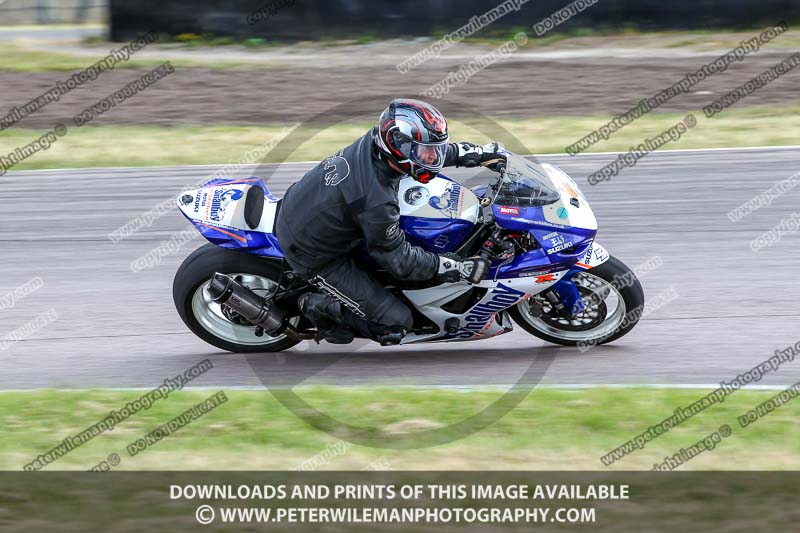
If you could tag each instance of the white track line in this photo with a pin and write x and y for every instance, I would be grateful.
(458, 388)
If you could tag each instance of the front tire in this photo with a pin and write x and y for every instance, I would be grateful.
(618, 308)
(207, 319)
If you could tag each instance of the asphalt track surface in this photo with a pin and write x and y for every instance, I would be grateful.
(118, 328)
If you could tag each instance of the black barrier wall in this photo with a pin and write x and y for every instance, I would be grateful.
(315, 19)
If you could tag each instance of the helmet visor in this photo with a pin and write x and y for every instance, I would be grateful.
(428, 155)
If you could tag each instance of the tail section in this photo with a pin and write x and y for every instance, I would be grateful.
(234, 214)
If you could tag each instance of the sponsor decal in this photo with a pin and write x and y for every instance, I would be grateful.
(538, 272)
(220, 201)
(197, 201)
(417, 195)
(599, 254)
(393, 230)
(504, 210)
(574, 201)
(322, 284)
(562, 246)
(450, 201)
(594, 255)
(546, 223)
(544, 278)
(480, 317)
(549, 236)
(337, 169)
(562, 212)
(186, 199)
(441, 241)
(555, 241)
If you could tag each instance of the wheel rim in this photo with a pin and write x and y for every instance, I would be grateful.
(609, 306)
(221, 322)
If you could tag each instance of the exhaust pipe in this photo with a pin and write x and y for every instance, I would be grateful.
(258, 311)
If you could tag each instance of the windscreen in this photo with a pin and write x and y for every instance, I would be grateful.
(526, 185)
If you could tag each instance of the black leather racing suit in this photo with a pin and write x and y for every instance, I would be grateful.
(345, 201)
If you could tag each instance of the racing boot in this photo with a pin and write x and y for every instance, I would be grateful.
(325, 313)
(390, 336)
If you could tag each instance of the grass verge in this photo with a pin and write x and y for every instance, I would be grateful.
(17, 58)
(22, 57)
(549, 430)
(110, 146)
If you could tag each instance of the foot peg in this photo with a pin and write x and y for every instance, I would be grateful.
(392, 336)
(451, 325)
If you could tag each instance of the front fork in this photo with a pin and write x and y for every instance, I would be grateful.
(564, 295)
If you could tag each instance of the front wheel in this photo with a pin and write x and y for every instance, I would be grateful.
(614, 303)
(216, 324)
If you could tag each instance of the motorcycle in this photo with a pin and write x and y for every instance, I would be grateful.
(548, 274)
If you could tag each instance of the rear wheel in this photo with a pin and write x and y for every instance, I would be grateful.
(216, 324)
(612, 309)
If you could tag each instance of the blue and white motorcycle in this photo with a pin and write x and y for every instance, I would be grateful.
(548, 274)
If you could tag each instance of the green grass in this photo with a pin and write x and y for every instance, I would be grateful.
(549, 429)
(20, 59)
(186, 145)
(17, 57)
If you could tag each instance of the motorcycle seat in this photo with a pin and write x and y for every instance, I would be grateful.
(254, 206)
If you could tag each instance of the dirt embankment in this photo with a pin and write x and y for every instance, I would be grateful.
(516, 88)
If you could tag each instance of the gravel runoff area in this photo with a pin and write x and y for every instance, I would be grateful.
(520, 87)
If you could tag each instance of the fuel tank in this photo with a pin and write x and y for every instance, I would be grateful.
(438, 215)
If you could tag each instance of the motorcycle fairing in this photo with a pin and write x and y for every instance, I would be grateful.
(439, 217)
(217, 209)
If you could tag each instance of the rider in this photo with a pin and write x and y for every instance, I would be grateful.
(351, 198)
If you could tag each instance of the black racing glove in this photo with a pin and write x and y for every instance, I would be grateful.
(471, 155)
(453, 268)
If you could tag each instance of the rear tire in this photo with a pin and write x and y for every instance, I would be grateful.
(207, 322)
(628, 291)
